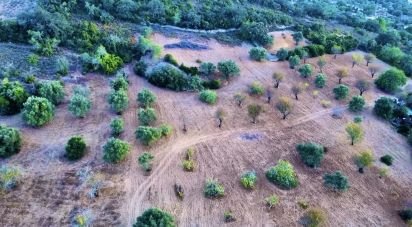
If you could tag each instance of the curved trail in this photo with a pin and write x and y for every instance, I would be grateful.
(173, 148)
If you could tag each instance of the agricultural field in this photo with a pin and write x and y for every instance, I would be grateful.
(110, 116)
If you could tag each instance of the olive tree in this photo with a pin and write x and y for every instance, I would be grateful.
(357, 104)
(355, 132)
(373, 70)
(117, 126)
(320, 80)
(391, 80)
(336, 181)
(12, 97)
(342, 73)
(356, 59)
(341, 92)
(79, 105)
(146, 98)
(228, 68)
(384, 108)
(306, 70)
(254, 111)
(37, 111)
(155, 217)
(118, 100)
(51, 90)
(10, 141)
(369, 58)
(146, 116)
(311, 153)
(294, 61)
(285, 106)
(145, 161)
(297, 89)
(258, 53)
(321, 63)
(239, 98)
(220, 114)
(362, 86)
(115, 150)
(336, 50)
(283, 175)
(75, 148)
(364, 159)
(277, 78)
(297, 36)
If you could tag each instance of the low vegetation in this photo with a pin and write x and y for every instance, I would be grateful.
(115, 150)
(10, 141)
(283, 175)
(75, 148)
(311, 153)
(213, 189)
(155, 217)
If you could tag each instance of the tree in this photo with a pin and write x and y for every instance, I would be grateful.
(213, 189)
(369, 58)
(10, 141)
(75, 148)
(257, 53)
(391, 54)
(145, 161)
(146, 116)
(239, 98)
(341, 92)
(342, 73)
(282, 54)
(336, 181)
(336, 50)
(149, 135)
(207, 68)
(44, 46)
(384, 108)
(297, 89)
(364, 159)
(110, 63)
(170, 59)
(297, 36)
(306, 70)
(277, 78)
(248, 179)
(256, 32)
(120, 82)
(12, 97)
(311, 153)
(254, 111)
(362, 86)
(117, 126)
(320, 80)
(271, 201)
(154, 217)
(356, 59)
(256, 89)
(118, 100)
(321, 63)
(355, 132)
(146, 98)
(220, 114)
(283, 175)
(294, 61)
(391, 80)
(140, 68)
(304, 55)
(37, 111)
(228, 68)
(208, 96)
(51, 90)
(373, 70)
(387, 159)
(357, 104)
(284, 105)
(115, 150)
(79, 105)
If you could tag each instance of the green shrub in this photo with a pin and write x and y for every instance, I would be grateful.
(188, 165)
(256, 88)
(387, 159)
(271, 201)
(149, 135)
(316, 217)
(79, 105)
(384, 108)
(170, 59)
(75, 148)
(145, 161)
(155, 217)
(294, 61)
(120, 82)
(117, 126)
(146, 98)
(311, 153)
(355, 132)
(44, 46)
(208, 96)
(213, 189)
(51, 90)
(357, 119)
(110, 63)
(228, 68)
(212, 84)
(341, 92)
(258, 53)
(283, 175)
(406, 214)
(118, 100)
(207, 68)
(320, 80)
(115, 150)
(10, 177)
(391, 80)
(12, 97)
(306, 70)
(166, 129)
(357, 104)
(10, 141)
(364, 159)
(62, 66)
(255, 32)
(146, 116)
(336, 181)
(37, 111)
(248, 179)
(282, 54)
(140, 68)
(168, 76)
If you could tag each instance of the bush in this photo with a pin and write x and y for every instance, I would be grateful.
(256, 32)
(75, 148)
(316, 217)
(213, 189)
(140, 68)
(146, 116)
(155, 217)
(37, 111)
(283, 175)
(355, 132)
(44, 46)
(364, 159)
(391, 80)
(387, 160)
(10, 141)
(228, 68)
(10, 177)
(258, 53)
(208, 96)
(115, 150)
(357, 104)
(248, 179)
(256, 88)
(145, 160)
(120, 82)
(341, 92)
(51, 90)
(336, 181)
(306, 70)
(148, 135)
(311, 153)
(110, 63)
(146, 98)
(118, 100)
(117, 126)
(271, 201)
(320, 80)
(357, 119)
(170, 59)
(294, 61)
(384, 108)
(79, 105)
(188, 165)
(406, 214)
(168, 76)
(282, 54)
(212, 84)
(207, 68)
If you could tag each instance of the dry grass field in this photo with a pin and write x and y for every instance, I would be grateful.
(51, 191)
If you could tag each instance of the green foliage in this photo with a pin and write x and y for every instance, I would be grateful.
(212, 84)
(110, 63)
(12, 97)
(254, 111)
(147, 46)
(384, 108)
(391, 54)
(207, 68)
(10, 141)
(297, 36)
(145, 161)
(208, 96)
(406, 214)
(256, 32)
(357, 104)
(79, 105)
(10, 177)
(271, 201)
(75, 148)
(149, 135)
(364, 159)
(43, 45)
(168, 76)
(355, 132)
(87, 35)
(306, 70)
(62, 66)
(282, 54)
(119, 82)
(228, 68)
(294, 61)
(37, 111)
(391, 80)
(387, 159)
(51, 90)
(256, 89)
(33, 59)
(320, 80)
(357, 119)
(362, 86)
(213, 189)
(155, 217)
(170, 59)
(115, 150)
(118, 100)
(146, 116)
(188, 165)
(283, 175)
(316, 217)
(341, 92)
(336, 181)
(248, 179)
(258, 53)
(146, 98)
(140, 68)
(117, 126)
(311, 153)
